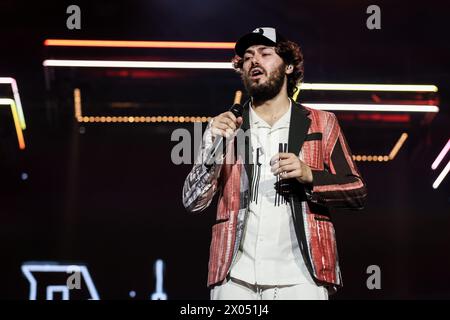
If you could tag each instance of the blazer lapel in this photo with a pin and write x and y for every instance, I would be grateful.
(248, 156)
(298, 127)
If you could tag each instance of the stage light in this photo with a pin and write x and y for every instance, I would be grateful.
(142, 119)
(374, 158)
(16, 95)
(368, 87)
(137, 64)
(29, 268)
(441, 176)
(139, 44)
(159, 293)
(11, 103)
(77, 102)
(398, 145)
(372, 107)
(441, 155)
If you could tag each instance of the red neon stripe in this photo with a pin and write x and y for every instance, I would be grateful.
(138, 44)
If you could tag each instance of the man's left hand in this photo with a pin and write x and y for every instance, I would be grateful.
(288, 165)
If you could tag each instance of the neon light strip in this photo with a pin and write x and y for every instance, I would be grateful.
(52, 289)
(369, 158)
(96, 119)
(137, 119)
(27, 270)
(368, 87)
(441, 156)
(138, 44)
(15, 91)
(137, 64)
(159, 293)
(441, 176)
(77, 102)
(12, 104)
(398, 145)
(372, 107)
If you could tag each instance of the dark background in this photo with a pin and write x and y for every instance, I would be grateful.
(109, 196)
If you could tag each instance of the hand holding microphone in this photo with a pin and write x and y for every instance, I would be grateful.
(223, 126)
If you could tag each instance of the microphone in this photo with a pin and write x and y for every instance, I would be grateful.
(235, 109)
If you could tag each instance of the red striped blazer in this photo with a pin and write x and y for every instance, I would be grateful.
(317, 138)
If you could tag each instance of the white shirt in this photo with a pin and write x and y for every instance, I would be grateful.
(269, 252)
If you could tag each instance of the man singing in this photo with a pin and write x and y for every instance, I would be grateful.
(274, 237)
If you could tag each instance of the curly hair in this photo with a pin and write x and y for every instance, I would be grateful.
(291, 54)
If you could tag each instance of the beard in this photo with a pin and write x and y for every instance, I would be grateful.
(268, 89)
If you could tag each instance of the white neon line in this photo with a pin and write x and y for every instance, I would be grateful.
(27, 270)
(228, 65)
(368, 87)
(15, 90)
(90, 284)
(441, 155)
(52, 289)
(33, 285)
(159, 294)
(441, 176)
(372, 107)
(137, 64)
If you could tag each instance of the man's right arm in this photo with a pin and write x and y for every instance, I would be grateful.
(202, 182)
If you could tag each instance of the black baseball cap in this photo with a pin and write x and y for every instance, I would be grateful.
(264, 35)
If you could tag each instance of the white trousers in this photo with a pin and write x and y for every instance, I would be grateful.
(234, 289)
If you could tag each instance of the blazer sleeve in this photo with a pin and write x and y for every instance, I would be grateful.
(340, 184)
(201, 184)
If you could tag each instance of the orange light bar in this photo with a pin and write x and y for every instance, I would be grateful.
(384, 157)
(138, 44)
(143, 119)
(379, 158)
(398, 145)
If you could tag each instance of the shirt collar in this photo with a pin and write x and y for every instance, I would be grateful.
(283, 122)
